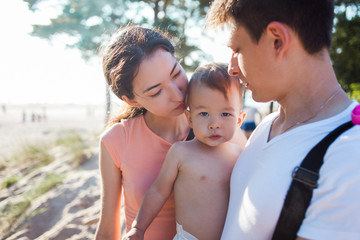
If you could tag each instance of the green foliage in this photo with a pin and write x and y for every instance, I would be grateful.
(32, 155)
(36, 212)
(10, 181)
(45, 185)
(70, 139)
(13, 210)
(90, 22)
(71, 145)
(354, 92)
(37, 154)
(345, 51)
(76, 145)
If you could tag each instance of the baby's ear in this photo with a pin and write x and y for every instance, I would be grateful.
(241, 118)
(187, 114)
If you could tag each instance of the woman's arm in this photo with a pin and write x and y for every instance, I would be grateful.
(109, 225)
(156, 196)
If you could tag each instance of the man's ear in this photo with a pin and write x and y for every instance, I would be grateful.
(131, 102)
(280, 35)
(241, 118)
(187, 114)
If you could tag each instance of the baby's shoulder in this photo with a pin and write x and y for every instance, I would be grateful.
(182, 147)
(233, 150)
(234, 147)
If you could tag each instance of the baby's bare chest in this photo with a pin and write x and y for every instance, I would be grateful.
(214, 170)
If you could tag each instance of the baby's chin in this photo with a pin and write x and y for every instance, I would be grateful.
(213, 143)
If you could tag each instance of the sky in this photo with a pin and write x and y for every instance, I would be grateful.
(36, 71)
(33, 70)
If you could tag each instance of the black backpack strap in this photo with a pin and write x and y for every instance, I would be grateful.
(190, 135)
(305, 179)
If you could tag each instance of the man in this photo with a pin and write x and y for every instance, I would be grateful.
(281, 53)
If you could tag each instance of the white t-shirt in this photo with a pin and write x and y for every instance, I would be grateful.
(262, 176)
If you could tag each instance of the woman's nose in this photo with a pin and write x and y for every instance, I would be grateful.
(177, 93)
(233, 67)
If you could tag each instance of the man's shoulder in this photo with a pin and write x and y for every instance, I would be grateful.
(350, 138)
(345, 150)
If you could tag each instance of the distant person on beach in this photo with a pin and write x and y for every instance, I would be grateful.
(199, 170)
(280, 51)
(140, 68)
(33, 117)
(23, 117)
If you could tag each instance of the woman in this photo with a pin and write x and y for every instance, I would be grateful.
(140, 69)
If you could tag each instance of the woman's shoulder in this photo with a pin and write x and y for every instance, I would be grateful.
(121, 128)
(113, 130)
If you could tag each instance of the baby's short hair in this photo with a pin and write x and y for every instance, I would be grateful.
(215, 76)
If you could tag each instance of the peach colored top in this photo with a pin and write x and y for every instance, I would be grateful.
(139, 153)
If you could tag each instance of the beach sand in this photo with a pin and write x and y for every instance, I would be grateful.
(16, 132)
(71, 209)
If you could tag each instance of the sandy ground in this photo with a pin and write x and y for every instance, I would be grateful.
(68, 211)
(14, 132)
(71, 209)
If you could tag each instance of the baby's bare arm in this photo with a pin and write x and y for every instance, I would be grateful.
(159, 191)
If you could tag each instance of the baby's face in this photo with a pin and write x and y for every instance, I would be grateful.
(214, 118)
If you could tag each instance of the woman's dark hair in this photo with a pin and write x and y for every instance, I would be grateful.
(122, 56)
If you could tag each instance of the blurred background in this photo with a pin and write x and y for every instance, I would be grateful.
(54, 101)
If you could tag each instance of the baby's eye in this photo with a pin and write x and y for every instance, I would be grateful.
(225, 114)
(204, 114)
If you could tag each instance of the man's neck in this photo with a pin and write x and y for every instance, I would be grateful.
(315, 95)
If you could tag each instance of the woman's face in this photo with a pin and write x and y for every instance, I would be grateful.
(160, 85)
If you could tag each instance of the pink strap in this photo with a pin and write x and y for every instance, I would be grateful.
(355, 115)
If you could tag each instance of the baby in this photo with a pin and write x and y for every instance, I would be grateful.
(198, 171)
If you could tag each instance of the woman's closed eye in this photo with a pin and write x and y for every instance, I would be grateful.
(176, 74)
(156, 94)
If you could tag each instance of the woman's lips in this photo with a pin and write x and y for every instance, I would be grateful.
(181, 106)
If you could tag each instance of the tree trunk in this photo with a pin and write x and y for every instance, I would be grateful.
(156, 12)
(108, 105)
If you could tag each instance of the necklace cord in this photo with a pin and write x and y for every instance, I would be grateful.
(314, 115)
